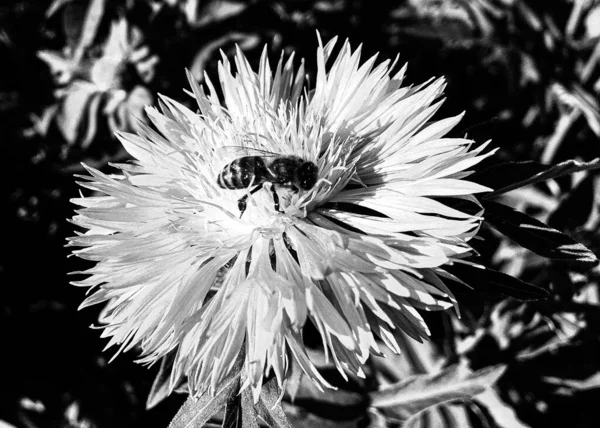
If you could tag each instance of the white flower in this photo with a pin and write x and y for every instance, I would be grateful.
(98, 86)
(356, 255)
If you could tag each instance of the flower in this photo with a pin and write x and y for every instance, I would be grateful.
(357, 255)
(101, 85)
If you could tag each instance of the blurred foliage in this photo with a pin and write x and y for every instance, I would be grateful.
(526, 72)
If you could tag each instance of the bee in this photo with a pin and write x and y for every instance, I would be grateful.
(285, 171)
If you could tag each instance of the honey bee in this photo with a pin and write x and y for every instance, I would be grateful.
(292, 172)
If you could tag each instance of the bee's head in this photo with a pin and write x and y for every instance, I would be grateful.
(307, 175)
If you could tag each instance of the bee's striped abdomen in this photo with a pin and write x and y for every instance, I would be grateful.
(239, 173)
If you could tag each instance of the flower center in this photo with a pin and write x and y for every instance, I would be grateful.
(277, 226)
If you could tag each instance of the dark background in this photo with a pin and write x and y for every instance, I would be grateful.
(525, 72)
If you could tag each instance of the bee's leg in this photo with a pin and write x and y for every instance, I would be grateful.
(275, 198)
(242, 202)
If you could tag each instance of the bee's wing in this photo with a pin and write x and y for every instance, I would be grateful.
(238, 151)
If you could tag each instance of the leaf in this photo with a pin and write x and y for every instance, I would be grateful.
(57, 63)
(417, 393)
(93, 16)
(212, 48)
(269, 406)
(249, 412)
(55, 6)
(376, 419)
(443, 415)
(91, 124)
(582, 197)
(565, 386)
(508, 176)
(215, 12)
(72, 114)
(160, 387)
(301, 418)
(528, 333)
(535, 235)
(138, 99)
(41, 124)
(503, 414)
(587, 104)
(195, 412)
(492, 281)
(545, 339)
(233, 412)
(4, 424)
(240, 411)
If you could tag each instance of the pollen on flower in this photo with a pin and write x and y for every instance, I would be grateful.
(357, 255)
